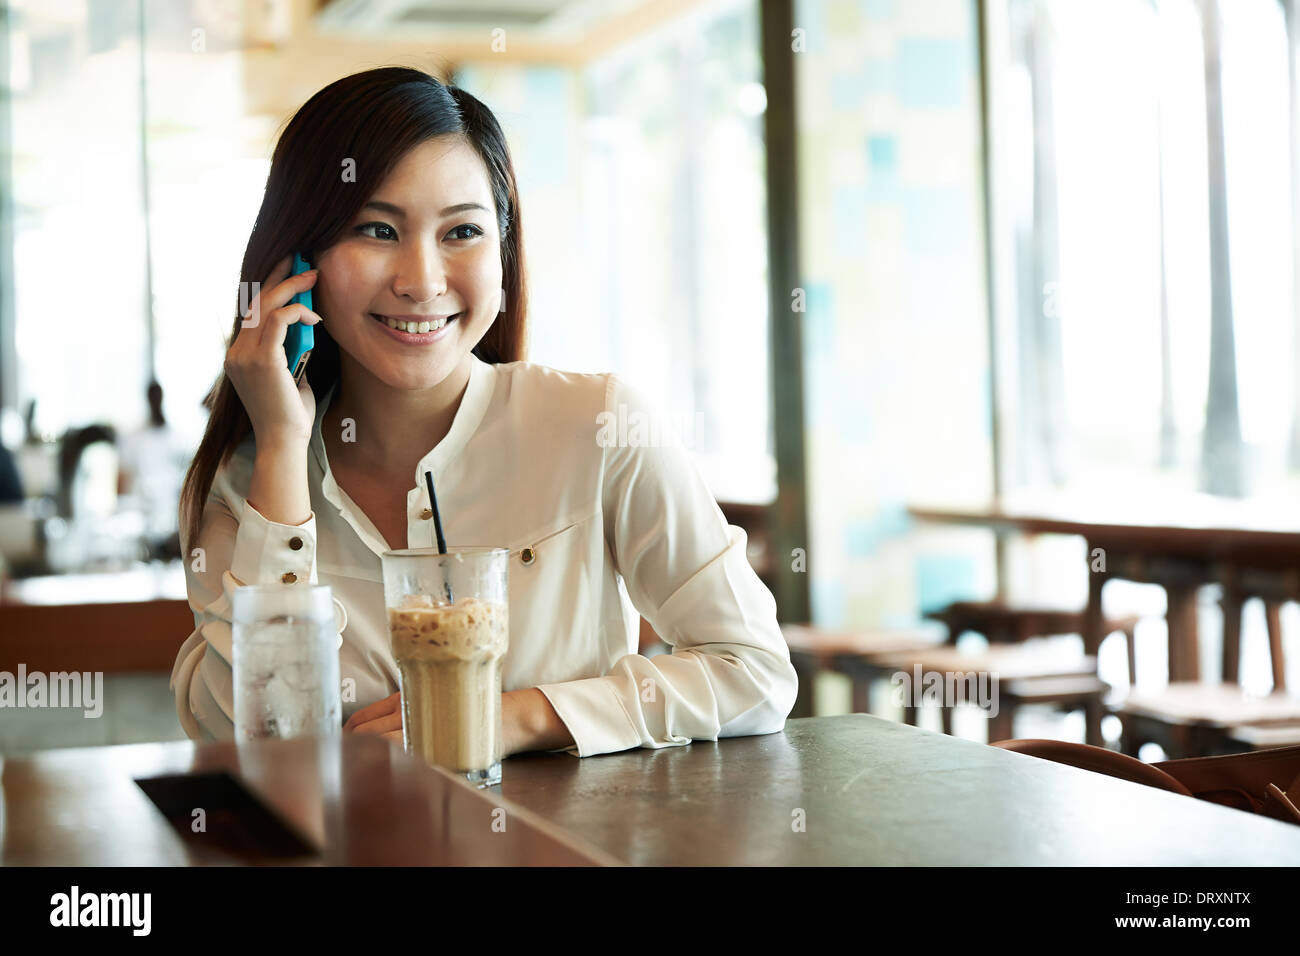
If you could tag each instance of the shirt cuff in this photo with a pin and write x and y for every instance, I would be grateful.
(594, 714)
(267, 552)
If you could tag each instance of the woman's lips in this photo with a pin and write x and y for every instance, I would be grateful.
(415, 338)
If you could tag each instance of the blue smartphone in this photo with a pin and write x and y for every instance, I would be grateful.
(299, 339)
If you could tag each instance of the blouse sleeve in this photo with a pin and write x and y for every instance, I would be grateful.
(236, 546)
(729, 674)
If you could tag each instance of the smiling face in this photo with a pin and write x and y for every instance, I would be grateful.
(425, 246)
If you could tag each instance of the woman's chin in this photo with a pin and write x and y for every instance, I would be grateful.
(414, 379)
(412, 371)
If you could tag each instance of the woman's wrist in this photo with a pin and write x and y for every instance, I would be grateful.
(533, 722)
(282, 443)
(278, 489)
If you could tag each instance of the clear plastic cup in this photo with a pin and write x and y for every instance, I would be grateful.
(286, 662)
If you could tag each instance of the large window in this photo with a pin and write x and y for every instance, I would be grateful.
(94, 317)
(677, 245)
(79, 278)
(1143, 231)
(1104, 130)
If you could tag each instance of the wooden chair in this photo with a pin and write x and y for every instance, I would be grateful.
(1196, 718)
(1003, 623)
(1097, 760)
(1252, 784)
(1086, 692)
(1069, 682)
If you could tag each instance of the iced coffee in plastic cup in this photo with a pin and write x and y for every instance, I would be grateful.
(448, 621)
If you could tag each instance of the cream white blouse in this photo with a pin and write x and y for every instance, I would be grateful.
(619, 523)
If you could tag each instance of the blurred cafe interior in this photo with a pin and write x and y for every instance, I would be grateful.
(980, 317)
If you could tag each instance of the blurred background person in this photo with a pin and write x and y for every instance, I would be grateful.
(151, 467)
(11, 486)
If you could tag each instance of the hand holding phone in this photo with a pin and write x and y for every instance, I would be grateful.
(281, 412)
(299, 338)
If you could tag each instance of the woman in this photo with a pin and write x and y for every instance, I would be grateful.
(401, 192)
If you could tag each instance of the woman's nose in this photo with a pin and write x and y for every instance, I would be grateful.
(421, 275)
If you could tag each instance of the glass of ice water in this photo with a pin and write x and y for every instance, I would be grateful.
(286, 666)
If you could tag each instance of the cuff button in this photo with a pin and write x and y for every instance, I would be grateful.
(289, 577)
(528, 556)
(295, 544)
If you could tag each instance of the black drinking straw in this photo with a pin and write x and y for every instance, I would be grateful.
(437, 528)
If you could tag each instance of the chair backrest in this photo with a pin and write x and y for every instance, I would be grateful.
(1265, 781)
(1098, 760)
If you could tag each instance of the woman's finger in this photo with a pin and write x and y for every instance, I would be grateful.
(276, 300)
(382, 706)
(380, 725)
(259, 303)
(379, 708)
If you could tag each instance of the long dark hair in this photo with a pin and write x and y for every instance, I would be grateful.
(371, 119)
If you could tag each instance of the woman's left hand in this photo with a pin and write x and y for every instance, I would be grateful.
(381, 717)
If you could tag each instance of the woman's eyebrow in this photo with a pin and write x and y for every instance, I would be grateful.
(399, 211)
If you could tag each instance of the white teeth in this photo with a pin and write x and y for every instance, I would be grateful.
(415, 328)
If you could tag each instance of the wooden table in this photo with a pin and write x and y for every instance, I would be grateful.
(360, 798)
(825, 791)
(1179, 543)
(875, 792)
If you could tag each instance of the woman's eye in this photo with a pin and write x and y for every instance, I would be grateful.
(476, 231)
(376, 225)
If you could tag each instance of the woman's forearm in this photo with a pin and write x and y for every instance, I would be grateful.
(531, 723)
(278, 489)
